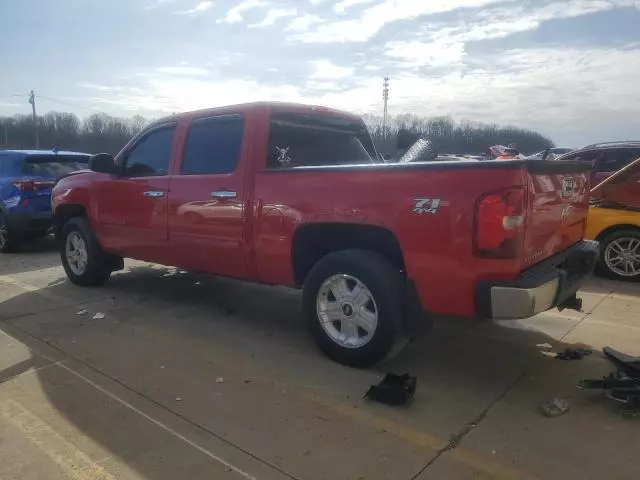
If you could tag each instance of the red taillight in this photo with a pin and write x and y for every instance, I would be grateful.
(499, 223)
(25, 185)
(31, 185)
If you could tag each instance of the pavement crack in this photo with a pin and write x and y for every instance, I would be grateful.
(456, 439)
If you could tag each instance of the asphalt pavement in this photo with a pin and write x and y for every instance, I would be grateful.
(192, 376)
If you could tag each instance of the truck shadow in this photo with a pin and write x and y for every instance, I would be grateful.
(474, 363)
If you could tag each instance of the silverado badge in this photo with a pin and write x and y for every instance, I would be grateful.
(426, 205)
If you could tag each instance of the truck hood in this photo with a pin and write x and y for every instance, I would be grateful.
(622, 188)
(77, 172)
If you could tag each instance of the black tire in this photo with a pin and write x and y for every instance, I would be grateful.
(97, 271)
(386, 284)
(8, 240)
(605, 242)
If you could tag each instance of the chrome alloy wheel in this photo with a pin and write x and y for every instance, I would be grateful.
(76, 253)
(622, 256)
(347, 311)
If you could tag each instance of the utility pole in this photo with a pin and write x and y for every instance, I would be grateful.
(32, 101)
(6, 134)
(385, 97)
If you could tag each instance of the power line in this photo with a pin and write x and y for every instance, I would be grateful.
(68, 104)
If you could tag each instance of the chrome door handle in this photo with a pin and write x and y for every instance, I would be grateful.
(224, 194)
(154, 194)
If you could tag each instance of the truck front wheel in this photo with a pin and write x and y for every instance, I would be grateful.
(353, 300)
(83, 259)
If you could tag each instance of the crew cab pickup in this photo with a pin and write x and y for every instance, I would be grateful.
(296, 195)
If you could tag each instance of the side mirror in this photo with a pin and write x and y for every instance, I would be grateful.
(102, 163)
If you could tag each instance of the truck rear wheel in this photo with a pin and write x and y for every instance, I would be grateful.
(83, 259)
(353, 300)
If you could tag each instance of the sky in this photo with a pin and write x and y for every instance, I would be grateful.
(569, 69)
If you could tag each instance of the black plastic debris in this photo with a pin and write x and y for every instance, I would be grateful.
(623, 385)
(573, 354)
(393, 389)
(554, 407)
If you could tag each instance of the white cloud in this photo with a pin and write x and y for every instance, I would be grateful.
(435, 54)
(303, 23)
(200, 7)
(324, 69)
(274, 15)
(375, 17)
(183, 70)
(345, 4)
(234, 15)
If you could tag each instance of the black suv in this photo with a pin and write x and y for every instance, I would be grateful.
(605, 158)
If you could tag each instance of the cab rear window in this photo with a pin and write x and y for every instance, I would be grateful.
(297, 140)
(50, 166)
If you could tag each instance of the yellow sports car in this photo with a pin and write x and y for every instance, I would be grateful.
(614, 220)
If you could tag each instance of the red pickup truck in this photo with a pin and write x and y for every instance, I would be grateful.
(296, 195)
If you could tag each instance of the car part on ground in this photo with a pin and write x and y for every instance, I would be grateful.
(623, 385)
(393, 389)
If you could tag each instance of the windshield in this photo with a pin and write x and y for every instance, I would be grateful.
(317, 140)
(53, 166)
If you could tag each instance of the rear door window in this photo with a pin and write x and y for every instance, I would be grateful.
(54, 166)
(317, 140)
(213, 145)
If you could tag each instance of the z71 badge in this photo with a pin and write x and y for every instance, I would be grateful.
(427, 205)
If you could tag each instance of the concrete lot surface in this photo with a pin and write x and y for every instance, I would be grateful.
(196, 377)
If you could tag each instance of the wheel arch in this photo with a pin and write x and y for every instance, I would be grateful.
(615, 228)
(311, 242)
(64, 213)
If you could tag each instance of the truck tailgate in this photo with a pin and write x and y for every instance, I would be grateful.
(557, 206)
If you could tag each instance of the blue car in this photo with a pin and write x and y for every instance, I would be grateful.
(26, 179)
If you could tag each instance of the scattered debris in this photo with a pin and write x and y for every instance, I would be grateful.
(219, 380)
(82, 312)
(393, 389)
(545, 346)
(623, 385)
(178, 399)
(573, 353)
(161, 366)
(554, 407)
(248, 381)
(98, 316)
(550, 354)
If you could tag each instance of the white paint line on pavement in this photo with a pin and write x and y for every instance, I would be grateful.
(158, 423)
(203, 450)
(65, 454)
